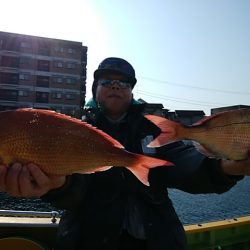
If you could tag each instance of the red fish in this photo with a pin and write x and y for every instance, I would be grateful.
(223, 135)
(63, 145)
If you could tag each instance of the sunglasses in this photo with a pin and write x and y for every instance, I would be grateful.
(108, 83)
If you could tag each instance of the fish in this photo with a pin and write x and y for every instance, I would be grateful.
(63, 145)
(224, 135)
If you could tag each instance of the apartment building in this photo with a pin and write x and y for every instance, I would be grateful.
(42, 73)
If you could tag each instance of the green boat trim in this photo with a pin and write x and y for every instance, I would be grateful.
(37, 230)
(232, 234)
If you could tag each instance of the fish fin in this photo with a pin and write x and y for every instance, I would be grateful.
(141, 172)
(208, 118)
(203, 120)
(75, 120)
(170, 131)
(105, 168)
(99, 169)
(142, 165)
(84, 172)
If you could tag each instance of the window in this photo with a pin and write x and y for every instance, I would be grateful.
(70, 96)
(71, 51)
(10, 61)
(8, 94)
(71, 80)
(43, 48)
(59, 49)
(11, 43)
(43, 65)
(25, 60)
(24, 76)
(58, 64)
(71, 65)
(57, 79)
(9, 78)
(25, 44)
(42, 81)
(42, 97)
(56, 95)
(23, 93)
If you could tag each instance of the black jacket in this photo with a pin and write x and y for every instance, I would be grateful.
(97, 204)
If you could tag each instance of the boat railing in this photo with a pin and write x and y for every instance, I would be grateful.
(28, 230)
(35, 214)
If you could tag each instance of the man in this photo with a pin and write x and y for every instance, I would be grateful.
(112, 209)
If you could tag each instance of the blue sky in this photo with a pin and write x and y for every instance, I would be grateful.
(188, 54)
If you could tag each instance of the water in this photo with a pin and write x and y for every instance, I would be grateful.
(10, 203)
(192, 209)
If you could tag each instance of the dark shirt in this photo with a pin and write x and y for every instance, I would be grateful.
(104, 208)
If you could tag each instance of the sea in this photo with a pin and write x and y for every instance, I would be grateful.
(191, 208)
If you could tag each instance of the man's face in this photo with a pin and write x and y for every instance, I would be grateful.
(113, 96)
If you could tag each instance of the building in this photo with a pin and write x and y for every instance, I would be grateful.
(222, 109)
(42, 73)
(153, 108)
(187, 117)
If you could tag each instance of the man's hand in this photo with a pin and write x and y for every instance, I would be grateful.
(27, 180)
(236, 167)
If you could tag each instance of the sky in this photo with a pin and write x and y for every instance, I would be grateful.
(187, 54)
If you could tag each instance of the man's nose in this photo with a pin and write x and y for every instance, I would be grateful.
(115, 86)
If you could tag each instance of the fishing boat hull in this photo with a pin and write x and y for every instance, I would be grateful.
(36, 231)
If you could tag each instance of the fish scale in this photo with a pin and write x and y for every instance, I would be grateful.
(63, 145)
(223, 135)
(229, 137)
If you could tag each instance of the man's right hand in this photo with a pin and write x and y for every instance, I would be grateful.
(27, 180)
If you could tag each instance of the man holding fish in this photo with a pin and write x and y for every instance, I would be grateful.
(127, 206)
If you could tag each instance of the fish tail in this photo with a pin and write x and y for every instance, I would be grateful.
(170, 131)
(142, 165)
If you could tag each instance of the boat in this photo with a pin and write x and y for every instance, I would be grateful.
(28, 230)
(229, 234)
(31, 230)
